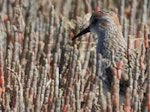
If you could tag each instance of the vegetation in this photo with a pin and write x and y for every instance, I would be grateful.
(42, 69)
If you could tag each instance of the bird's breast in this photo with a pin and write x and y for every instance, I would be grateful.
(104, 47)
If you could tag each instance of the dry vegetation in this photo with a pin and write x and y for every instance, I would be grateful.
(41, 69)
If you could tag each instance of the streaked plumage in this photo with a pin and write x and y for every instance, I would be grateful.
(107, 27)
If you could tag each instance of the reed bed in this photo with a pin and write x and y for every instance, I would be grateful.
(41, 69)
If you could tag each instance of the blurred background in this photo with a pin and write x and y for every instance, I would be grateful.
(42, 69)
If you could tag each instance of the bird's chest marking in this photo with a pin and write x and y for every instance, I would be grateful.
(104, 46)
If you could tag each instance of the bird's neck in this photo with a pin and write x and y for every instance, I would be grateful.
(107, 37)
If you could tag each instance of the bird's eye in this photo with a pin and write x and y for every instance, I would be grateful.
(95, 21)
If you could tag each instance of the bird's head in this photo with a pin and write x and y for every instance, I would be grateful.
(100, 22)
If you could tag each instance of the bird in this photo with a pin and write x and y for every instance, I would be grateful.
(105, 24)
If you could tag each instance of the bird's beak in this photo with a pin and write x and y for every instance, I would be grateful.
(86, 30)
